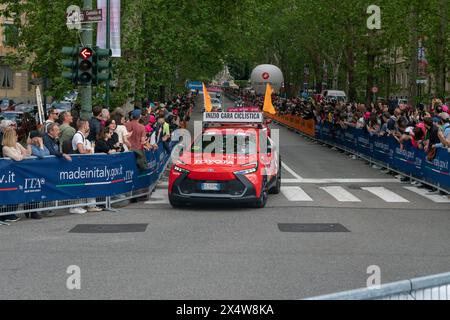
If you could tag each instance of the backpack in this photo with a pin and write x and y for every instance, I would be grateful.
(67, 147)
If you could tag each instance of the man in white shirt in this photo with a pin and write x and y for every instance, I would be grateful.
(80, 143)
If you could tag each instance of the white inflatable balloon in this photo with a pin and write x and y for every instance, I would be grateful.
(267, 73)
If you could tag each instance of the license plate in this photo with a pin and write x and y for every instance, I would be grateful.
(211, 186)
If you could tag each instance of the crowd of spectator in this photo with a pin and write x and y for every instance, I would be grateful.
(426, 127)
(147, 127)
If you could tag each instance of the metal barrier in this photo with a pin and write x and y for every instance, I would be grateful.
(436, 287)
(371, 161)
(106, 202)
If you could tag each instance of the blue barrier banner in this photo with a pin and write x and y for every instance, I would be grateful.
(326, 133)
(438, 169)
(405, 158)
(364, 144)
(318, 132)
(387, 150)
(91, 176)
(350, 139)
(340, 137)
(383, 149)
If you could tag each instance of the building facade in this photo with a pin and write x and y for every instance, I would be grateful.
(14, 84)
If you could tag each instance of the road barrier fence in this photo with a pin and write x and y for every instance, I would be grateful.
(36, 185)
(436, 287)
(383, 151)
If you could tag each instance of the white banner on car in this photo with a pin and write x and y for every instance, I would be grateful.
(233, 117)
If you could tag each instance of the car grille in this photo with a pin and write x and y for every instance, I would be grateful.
(230, 187)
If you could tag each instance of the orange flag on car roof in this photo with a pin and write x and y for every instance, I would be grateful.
(207, 99)
(268, 105)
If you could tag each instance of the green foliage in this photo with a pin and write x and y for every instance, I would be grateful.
(165, 43)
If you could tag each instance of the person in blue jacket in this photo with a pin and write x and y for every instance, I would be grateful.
(36, 145)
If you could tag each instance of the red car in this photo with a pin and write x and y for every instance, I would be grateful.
(227, 163)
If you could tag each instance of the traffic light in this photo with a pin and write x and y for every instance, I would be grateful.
(85, 66)
(71, 63)
(102, 65)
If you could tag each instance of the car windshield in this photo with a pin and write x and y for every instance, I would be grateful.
(63, 106)
(241, 143)
(9, 116)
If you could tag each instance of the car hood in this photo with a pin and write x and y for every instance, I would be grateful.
(225, 163)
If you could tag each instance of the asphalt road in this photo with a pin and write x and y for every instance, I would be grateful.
(240, 253)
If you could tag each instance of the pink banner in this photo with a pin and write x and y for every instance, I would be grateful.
(115, 27)
(244, 109)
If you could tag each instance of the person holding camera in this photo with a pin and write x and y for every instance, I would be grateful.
(103, 144)
(114, 141)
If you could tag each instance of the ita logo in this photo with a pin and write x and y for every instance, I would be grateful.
(33, 184)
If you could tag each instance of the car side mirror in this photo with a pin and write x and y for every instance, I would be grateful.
(269, 121)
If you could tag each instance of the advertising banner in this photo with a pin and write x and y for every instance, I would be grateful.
(114, 27)
(84, 177)
(437, 171)
(302, 125)
(387, 150)
(404, 158)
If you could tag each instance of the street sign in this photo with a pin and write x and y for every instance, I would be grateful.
(73, 17)
(421, 81)
(374, 89)
(92, 16)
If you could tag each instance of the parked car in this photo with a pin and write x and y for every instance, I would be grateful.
(62, 106)
(4, 104)
(216, 104)
(334, 95)
(71, 97)
(29, 108)
(25, 121)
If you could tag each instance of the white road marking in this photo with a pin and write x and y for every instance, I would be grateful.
(386, 195)
(340, 194)
(424, 193)
(330, 181)
(292, 172)
(296, 181)
(295, 194)
(159, 196)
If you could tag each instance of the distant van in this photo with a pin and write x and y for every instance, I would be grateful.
(334, 95)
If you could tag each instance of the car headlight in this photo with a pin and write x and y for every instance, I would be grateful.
(180, 170)
(248, 171)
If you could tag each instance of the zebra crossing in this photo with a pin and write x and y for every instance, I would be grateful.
(343, 195)
(340, 194)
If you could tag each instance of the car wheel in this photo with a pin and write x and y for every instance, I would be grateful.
(277, 188)
(175, 204)
(262, 200)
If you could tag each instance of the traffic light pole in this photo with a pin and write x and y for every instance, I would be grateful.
(86, 90)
